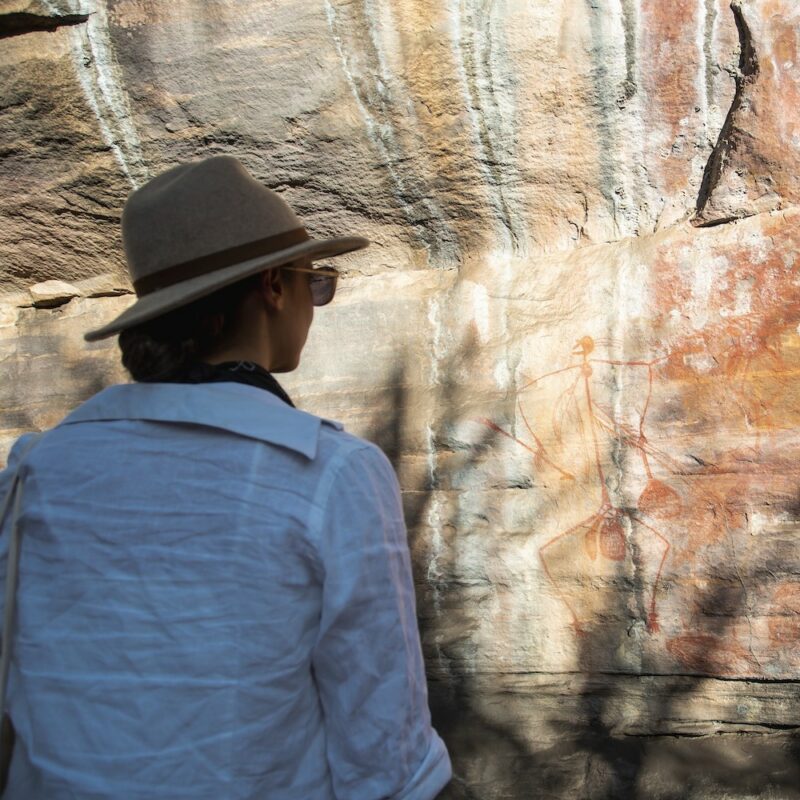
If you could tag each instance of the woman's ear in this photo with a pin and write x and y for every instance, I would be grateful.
(272, 288)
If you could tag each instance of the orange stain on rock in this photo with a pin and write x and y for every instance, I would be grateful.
(784, 100)
(784, 621)
(711, 654)
(669, 78)
(728, 312)
(752, 303)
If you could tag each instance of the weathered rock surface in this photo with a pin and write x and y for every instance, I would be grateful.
(575, 334)
(427, 126)
(49, 294)
(756, 165)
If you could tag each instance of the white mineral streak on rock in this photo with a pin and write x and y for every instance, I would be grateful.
(480, 310)
(437, 340)
(618, 135)
(760, 248)
(434, 510)
(381, 25)
(501, 267)
(713, 117)
(382, 135)
(492, 114)
(371, 125)
(434, 573)
(100, 77)
(501, 374)
(634, 123)
(701, 363)
(744, 297)
(434, 516)
(607, 45)
(9, 314)
(630, 289)
(630, 292)
(706, 277)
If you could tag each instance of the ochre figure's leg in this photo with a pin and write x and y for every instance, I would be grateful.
(540, 453)
(493, 426)
(586, 523)
(652, 616)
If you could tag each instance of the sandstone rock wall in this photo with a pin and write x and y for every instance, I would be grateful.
(575, 333)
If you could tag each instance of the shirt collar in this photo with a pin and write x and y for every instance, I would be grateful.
(245, 410)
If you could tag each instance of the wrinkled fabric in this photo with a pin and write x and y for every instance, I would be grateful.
(215, 601)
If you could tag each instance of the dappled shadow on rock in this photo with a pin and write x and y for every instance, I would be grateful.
(697, 721)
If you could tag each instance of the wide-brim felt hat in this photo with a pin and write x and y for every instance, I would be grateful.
(201, 226)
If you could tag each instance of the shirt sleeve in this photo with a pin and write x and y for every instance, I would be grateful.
(367, 660)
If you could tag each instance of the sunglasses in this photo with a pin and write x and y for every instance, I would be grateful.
(322, 283)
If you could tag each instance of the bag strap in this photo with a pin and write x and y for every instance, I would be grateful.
(14, 497)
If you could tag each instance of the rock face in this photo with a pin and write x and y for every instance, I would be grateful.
(756, 163)
(582, 304)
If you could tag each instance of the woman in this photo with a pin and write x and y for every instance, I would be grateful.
(215, 595)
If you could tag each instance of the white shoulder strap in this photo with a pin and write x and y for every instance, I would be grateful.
(12, 570)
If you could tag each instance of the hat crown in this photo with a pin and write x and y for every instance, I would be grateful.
(195, 210)
(199, 227)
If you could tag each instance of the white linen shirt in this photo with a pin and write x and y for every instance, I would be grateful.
(215, 601)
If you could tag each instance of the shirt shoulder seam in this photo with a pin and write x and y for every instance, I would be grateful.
(330, 473)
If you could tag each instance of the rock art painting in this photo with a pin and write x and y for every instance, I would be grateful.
(605, 532)
(663, 459)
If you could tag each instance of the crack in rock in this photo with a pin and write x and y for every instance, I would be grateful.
(746, 75)
(22, 22)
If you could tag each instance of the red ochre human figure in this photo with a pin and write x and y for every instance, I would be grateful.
(602, 533)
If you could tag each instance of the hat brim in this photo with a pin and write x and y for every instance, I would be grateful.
(180, 294)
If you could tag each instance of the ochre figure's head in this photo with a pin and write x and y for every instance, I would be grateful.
(584, 346)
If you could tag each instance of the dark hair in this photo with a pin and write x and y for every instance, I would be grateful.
(163, 348)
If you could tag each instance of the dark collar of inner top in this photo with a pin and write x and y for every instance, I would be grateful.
(237, 371)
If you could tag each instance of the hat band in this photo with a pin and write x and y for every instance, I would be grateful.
(214, 261)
